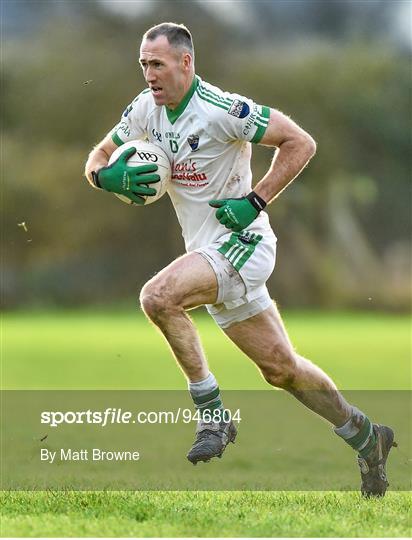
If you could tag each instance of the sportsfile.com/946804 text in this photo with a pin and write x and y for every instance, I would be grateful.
(112, 416)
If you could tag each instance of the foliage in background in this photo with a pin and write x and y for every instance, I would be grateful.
(343, 227)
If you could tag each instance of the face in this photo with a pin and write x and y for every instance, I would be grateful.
(168, 71)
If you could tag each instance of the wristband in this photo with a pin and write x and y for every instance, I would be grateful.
(257, 202)
(95, 179)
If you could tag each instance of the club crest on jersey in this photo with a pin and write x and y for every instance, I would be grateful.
(240, 109)
(193, 141)
(127, 110)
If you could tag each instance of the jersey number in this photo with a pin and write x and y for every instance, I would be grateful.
(174, 147)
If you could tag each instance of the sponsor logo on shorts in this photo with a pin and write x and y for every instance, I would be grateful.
(245, 238)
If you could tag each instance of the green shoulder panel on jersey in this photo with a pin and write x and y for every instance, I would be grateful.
(145, 91)
(211, 97)
(261, 122)
(115, 137)
(238, 251)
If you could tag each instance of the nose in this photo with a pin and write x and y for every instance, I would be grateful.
(150, 75)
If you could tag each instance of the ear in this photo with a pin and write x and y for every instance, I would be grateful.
(187, 60)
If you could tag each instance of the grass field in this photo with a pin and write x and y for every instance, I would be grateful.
(210, 514)
(119, 350)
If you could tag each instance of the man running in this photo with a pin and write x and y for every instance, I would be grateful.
(207, 135)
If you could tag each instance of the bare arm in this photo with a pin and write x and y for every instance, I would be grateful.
(99, 157)
(295, 148)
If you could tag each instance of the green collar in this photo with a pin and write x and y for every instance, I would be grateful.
(173, 114)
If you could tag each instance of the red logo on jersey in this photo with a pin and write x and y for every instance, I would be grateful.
(185, 174)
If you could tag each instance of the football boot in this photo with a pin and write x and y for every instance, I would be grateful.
(211, 440)
(373, 467)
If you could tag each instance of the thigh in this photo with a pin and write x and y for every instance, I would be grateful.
(189, 281)
(259, 335)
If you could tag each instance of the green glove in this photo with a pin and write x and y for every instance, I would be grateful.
(132, 182)
(237, 214)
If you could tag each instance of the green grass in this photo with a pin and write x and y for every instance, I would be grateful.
(118, 349)
(212, 514)
(66, 350)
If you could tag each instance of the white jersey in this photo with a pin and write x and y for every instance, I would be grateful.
(207, 139)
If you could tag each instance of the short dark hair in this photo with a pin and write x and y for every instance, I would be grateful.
(177, 35)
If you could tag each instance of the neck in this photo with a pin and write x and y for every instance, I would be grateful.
(186, 86)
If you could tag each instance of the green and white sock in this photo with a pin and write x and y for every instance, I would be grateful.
(206, 395)
(358, 433)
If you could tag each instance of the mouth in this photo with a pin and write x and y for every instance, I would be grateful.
(156, 90)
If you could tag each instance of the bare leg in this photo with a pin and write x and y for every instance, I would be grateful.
(264, 339)
(184, 284)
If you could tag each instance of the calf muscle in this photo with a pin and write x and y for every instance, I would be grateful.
(264, 339)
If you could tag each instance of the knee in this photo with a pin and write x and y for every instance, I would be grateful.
(156, 301)
(280, 369)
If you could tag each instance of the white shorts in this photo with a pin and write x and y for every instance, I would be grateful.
(242, 263)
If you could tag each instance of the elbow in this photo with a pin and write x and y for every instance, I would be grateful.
(305, 146)
(310, 146)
